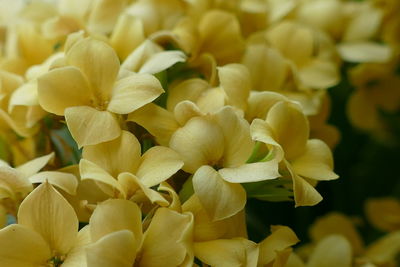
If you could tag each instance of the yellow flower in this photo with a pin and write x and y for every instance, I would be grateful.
(121, 241)
(46, 233)
(120, 166)
(383, 213)
(88, 92)
(285, 132)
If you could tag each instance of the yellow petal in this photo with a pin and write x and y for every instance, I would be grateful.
(140, 55)
(31, 167)
(89, 170)
(189, 89)
(383, 213)
(364, 52)
(77, 255)
(186, 110)
(62, 88)
(260, 103)
(157, 165)
(364, 24)
(319, 74)
(336, 223)
(119, 155)
(103, 15)
(165, 240)
(125, 215)
(66, 181)
(235, 80)
(282, 237)
(219, 198)
(237, 139)
(11, 183)
(252, 172)
(48, 213)
(162, 61)
(22, 247)
(127, 35)
(98, 62)
(220, 35)
(385, 249)
(199, 142)
(290, 128)
(316, 162)
(161, 125)
(117, 249)
(228, 252)
(89, 126)
(340, 253)
(133, 92)
(211, 100)
(26, 95)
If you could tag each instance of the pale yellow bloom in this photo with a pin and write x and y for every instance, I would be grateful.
(89, 94)
(46, 233)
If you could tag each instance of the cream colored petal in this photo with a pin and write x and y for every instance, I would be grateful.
(161, 125)
(162, 61)
(186, 110)
(66, 181)
(98, 62)
(290, 128)
(103, 15)
(127, 35)
(140, 55)
(336, 223)
(25, 95)
(189, 89)
(117, 249)
(32, 167)
(199, 142)
(385, 249)
(237, 139)
(114, 215)
(236, 82)
(219, 198)
(48, 213)
(259, 103)
(133, 92)
(340, 253)
(157, 165)
(316, 162)
(281, 237)
(251, 172)
(364, 24)
(319, 74)
(89, 170)
(228, 252)
(268, 69)
(221, 36)
(174, 200)
(22, 247)
(89, 126)
(62, 88)
(119, 155)
(211, 100)
(132, 185)
(294, 261)
(12, 182)
(364, 52)
(165, 241)
(77, 255)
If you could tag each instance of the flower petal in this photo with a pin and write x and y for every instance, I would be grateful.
(89, 126)
(219, 198)
(319, 74)
(384, 249)
(162, 61)
(77, 255)
(364, 52)
(316, 162)
(189, 89)
(199, 142)
(228, 252)
(22, 247)
(66, 181)
(125, 215)
(116, 156)
(252, 172)
(133, 92)
(31, 167)
(170, 231)
(157, 165)
(98, 62)
(117, 249)
(48, 213)
(61, 88)
(340, 253)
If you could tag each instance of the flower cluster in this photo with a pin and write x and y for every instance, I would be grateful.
(133, 132)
